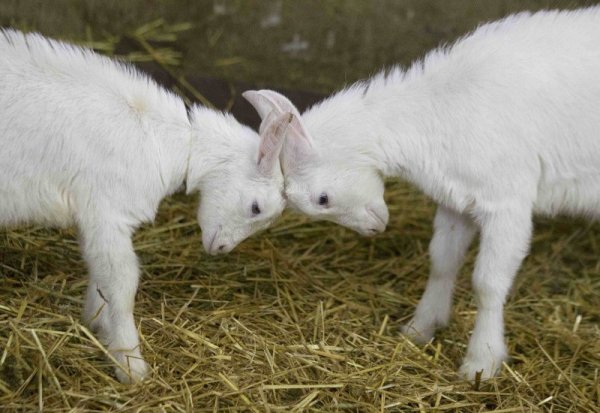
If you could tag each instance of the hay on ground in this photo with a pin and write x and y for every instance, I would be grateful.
(304, 317)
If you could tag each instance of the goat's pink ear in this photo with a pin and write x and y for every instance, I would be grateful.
(299, 141)
(282, 103)
(260, 102)
(271, 141)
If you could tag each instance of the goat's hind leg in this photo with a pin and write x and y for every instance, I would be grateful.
(453, 234)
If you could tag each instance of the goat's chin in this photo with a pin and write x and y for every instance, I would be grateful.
(367, 230)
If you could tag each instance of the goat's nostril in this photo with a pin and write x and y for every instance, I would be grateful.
(221, 247)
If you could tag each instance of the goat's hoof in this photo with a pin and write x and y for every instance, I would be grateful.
(132, 369)
(418, 334)
(483, 367)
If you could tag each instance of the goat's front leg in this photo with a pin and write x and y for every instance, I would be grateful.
(453, 234)
(505, 238)
(110, 298)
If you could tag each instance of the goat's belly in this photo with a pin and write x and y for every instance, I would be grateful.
(577, 197)
(35, 204)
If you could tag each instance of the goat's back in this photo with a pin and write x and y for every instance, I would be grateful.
(78, 129)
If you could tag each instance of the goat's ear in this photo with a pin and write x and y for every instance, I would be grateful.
(271, 141)
(261, 103)
(264, 101)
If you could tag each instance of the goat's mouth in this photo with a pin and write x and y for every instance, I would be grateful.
(210, 248)
(380, 220)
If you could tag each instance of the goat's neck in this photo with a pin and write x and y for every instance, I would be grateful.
(175, 143)
(388, 129)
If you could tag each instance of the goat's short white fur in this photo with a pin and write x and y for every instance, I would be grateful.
(89, 141)
(502, 125)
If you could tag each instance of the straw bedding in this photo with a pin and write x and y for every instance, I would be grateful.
(303, 317)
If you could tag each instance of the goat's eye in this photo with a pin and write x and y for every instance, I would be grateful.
(255, 208)
(323, 199)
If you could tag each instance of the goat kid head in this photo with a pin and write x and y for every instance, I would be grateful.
(238, 174)
(324, 181)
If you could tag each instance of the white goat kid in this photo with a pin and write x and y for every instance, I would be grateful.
(499, 126)
(92, 142)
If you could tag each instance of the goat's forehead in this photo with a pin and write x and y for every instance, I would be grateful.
(325, 178)
(298, 185)
(255, 181)
(313, 170)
